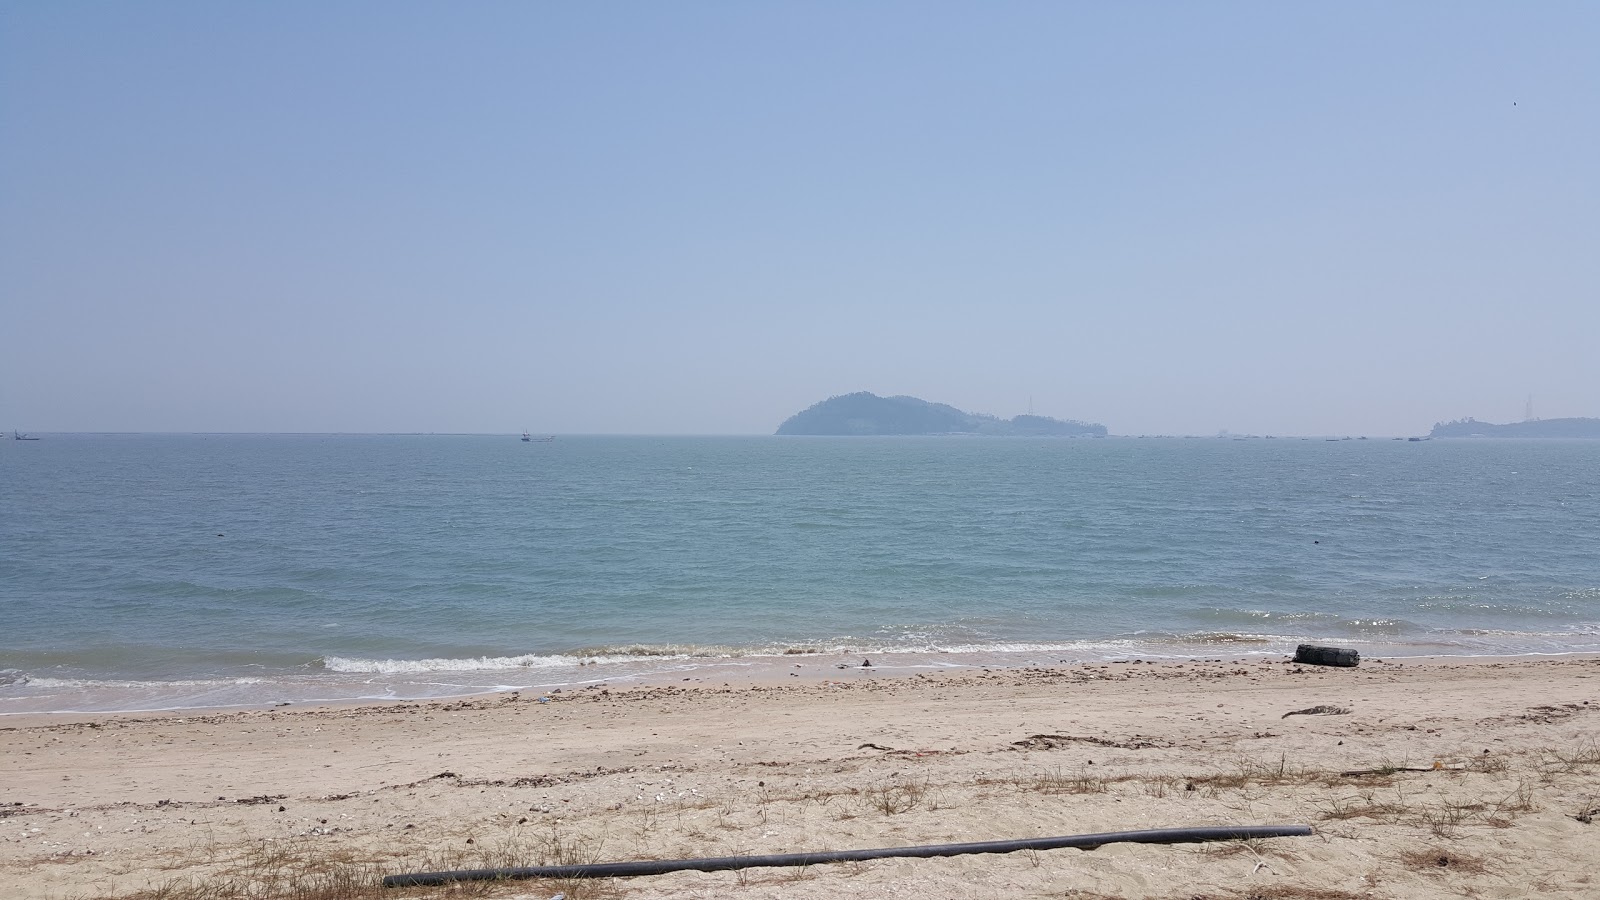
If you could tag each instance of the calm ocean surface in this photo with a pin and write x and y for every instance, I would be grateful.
(161, 571)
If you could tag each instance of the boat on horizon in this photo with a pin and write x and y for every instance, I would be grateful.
(530, 439)
(19, 436)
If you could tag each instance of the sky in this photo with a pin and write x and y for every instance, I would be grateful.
(702, 217)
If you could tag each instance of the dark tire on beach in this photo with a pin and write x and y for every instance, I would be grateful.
(1314, 655)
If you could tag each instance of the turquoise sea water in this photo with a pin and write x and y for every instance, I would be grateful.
(155, 571)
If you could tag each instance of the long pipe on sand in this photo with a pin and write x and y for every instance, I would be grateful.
(726, 863)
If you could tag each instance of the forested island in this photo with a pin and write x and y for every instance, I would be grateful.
(1533, 428)
(864, 413)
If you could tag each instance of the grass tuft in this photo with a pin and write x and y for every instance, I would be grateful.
(304, 870)
(897, 797)
(1056, 781)
(1586, 752)
(1432, 859)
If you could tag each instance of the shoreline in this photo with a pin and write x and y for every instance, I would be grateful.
(760, 678)
(292, 691)
(1490, 764)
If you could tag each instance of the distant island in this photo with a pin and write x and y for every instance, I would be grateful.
(863, 413)
(1533, 428)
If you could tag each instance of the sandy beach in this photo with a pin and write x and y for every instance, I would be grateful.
(1471, 778)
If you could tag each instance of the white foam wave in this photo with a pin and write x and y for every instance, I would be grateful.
(75, 683)
(640, 654)
(357, 666)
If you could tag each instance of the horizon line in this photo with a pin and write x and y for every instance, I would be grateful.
(1221, 435)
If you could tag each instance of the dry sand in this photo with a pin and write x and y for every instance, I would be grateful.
(120, 805)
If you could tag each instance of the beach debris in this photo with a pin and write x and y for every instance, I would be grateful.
(261, 798)
(1317, 655)
(871, 746)
(1057, 741)
(1545, 715)
(927, 851)
(1324, 710)
(1438, 766)
(866, 664)
(1587, 815)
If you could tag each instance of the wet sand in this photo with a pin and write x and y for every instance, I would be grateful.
(1476, 778)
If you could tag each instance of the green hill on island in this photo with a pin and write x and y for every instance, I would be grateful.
(1533, 428)
(863, 413)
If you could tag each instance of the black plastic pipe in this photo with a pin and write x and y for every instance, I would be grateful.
(726, 863)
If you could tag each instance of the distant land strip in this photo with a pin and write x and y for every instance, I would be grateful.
(864, 413)
(1533, 428)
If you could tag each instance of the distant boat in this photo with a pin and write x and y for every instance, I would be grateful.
(525, 437)
(19, 436)
(530, 439)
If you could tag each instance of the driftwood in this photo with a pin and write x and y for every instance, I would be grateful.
(1317, 711)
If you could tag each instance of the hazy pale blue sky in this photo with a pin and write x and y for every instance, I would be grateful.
(701, 217)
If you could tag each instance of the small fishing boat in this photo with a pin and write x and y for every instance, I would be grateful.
(19, 436)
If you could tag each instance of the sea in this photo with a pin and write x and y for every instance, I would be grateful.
(161, 571)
